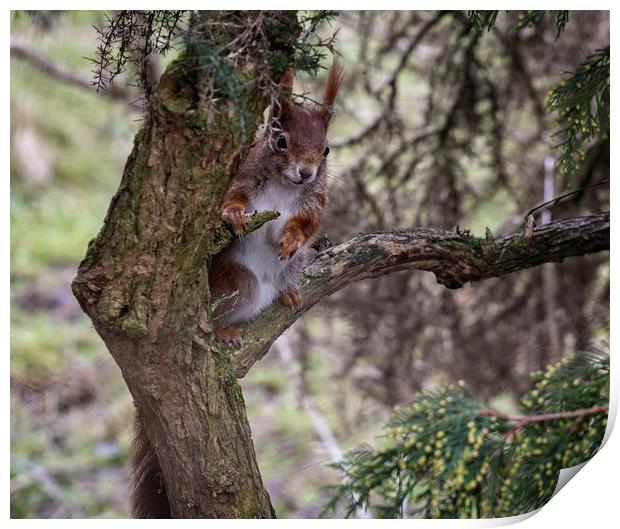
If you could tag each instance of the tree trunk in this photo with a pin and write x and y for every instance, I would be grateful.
(144, 284)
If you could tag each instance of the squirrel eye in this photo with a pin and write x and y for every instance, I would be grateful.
(281, 142)
(326, 151)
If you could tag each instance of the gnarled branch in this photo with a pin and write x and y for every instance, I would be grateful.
(455, 259)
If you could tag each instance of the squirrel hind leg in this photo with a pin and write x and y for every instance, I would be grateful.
(291, 297)
(237, 288)
(228, 334)
(289, 293)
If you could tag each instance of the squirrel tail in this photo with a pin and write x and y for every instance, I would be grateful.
(148, 496)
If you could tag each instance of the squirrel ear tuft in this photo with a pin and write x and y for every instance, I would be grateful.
(334, 80)
(286, 83)
(285, 99)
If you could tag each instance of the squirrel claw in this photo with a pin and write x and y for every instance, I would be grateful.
(291, 298)
(228, 335)
(235, 217)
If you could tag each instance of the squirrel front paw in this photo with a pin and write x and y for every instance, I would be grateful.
(291, 241)
(234, 216)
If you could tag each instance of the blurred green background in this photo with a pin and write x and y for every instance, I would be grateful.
(330, 383)
(69, 406)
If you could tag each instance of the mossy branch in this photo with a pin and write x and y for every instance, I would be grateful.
(222, 234)
(455, 259)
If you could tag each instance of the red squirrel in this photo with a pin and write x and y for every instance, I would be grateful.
(285, 171)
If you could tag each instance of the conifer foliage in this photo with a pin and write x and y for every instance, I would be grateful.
(447, 455)
(129, 39)
(580, 101)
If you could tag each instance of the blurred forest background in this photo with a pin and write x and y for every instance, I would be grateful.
(437, 126)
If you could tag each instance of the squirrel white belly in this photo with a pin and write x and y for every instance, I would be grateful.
(259, 252)
(285, 171)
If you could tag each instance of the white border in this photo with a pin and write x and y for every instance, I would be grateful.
(589, 499)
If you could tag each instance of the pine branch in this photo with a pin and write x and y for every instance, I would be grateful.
(582, 104)
(449, 456)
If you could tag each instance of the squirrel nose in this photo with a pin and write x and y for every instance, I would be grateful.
(304, 173)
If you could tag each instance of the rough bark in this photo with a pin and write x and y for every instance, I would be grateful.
(454, 258)
(144, 285)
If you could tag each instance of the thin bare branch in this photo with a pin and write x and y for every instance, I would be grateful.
(521, 421)
(21, 48)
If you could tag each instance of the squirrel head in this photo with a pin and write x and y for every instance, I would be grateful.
(298, 135)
